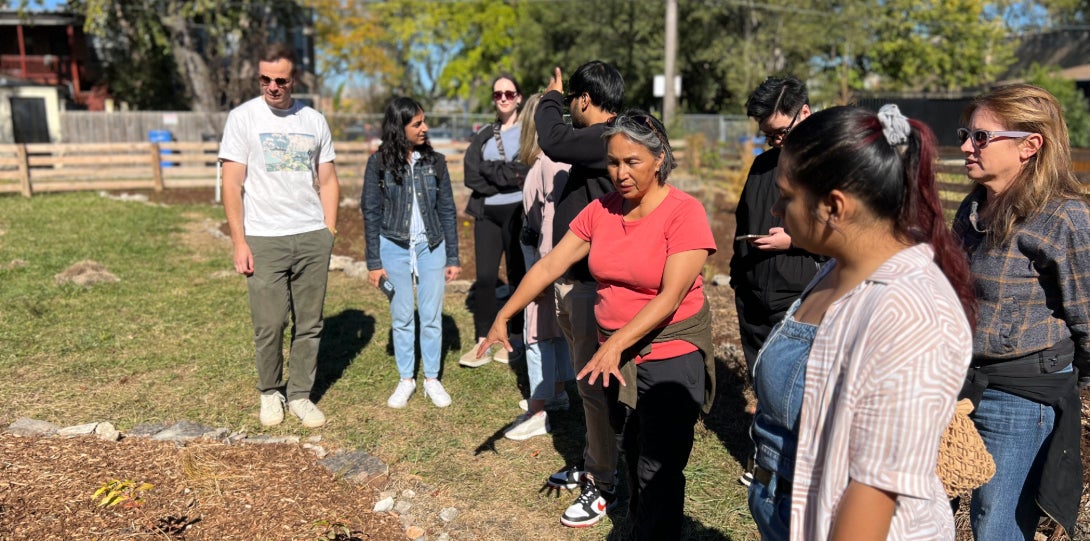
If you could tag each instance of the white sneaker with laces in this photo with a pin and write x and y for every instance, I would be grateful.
(307, 412)
(527, 426)
(434, 390)
(400, 398)
(272, 409)
(560, 402)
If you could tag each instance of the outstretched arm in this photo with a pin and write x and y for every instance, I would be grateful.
(540, 276)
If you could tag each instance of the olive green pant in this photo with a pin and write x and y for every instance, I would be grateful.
(289, 279)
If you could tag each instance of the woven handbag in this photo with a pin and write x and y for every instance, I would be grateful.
(964, 463)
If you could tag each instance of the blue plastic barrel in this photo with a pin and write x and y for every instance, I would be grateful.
(162, 136)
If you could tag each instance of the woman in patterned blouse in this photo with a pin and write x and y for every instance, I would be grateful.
(887, 328)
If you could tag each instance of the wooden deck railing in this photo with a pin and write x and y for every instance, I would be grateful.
(37, 168)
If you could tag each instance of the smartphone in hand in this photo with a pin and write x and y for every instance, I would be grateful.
(749, 237)
(387, 287)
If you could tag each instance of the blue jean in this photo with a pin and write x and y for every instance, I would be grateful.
(547, 361)
(771, 511)
(1016, 432)
(430, 287)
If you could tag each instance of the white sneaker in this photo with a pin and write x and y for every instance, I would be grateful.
(560, 402)
(470, 359)
(502, 356)
(272, 409)
(307, 412)
(400, 398)
(528, 426)
(435, 391)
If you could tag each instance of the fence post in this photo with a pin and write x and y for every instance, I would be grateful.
(156, 167)
(24, 170)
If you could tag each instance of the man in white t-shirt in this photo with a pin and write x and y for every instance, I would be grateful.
(280, 193)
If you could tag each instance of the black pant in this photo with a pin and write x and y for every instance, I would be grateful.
(496, 234)
(658, 438)
(755, 322)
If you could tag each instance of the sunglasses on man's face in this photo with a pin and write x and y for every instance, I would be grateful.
(981, 138)
(280, 81)
(510, 95)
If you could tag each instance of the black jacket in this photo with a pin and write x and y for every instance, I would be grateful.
(774, 278)
(588, 179)
(1037, 377)
(489, 177)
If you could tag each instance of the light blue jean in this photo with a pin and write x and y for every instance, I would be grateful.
(547, 361)
(1016, 432)
(771, 512)
(430, 287)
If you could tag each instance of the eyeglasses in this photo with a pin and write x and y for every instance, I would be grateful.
(981, 138)
(782, 132)
(568, 98)
(509, 94)
(280, 81)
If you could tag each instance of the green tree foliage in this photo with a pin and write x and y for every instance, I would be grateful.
(417, 48)
(185, 54)
(938, 45)
(625, 33)
(1075, 106)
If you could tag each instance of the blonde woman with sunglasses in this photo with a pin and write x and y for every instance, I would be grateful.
(1026, 229)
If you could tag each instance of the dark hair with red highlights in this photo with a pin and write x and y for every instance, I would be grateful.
(844, 148)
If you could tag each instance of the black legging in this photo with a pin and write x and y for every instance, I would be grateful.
(494, 235)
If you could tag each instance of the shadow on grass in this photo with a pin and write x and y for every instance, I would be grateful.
(728, 419)
(452, 341)
(343, 337)
(692, 529)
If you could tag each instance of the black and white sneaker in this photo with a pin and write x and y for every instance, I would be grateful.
(588, 508)
(746, 479)
(568, 478)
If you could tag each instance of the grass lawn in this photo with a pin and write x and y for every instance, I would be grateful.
(171, 341)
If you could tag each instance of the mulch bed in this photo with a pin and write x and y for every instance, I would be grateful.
(199, 491)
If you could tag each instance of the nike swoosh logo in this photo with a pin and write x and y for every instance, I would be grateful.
(601, 506)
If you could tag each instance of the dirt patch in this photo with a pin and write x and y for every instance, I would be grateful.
(86, 273)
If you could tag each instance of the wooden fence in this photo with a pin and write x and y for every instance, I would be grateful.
(37, 168)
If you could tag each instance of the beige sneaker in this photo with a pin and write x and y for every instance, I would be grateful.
(307, 412)
(272, 409)
(470, 359)
(527, 426)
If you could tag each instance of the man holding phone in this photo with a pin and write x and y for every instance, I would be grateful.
(766, 272)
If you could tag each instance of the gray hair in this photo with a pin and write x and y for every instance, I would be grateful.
(642, 128)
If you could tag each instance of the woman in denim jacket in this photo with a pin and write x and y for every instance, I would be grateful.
(409, 224)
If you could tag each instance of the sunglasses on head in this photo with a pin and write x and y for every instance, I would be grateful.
(508, 94)
(981, 138)
(280, 81)
(640, 119)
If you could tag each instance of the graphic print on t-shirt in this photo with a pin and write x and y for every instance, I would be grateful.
(287, 151)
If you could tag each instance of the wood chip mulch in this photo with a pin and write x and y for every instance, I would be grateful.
(199, 491)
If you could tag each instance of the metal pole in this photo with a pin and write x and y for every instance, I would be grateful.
(669, 99)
